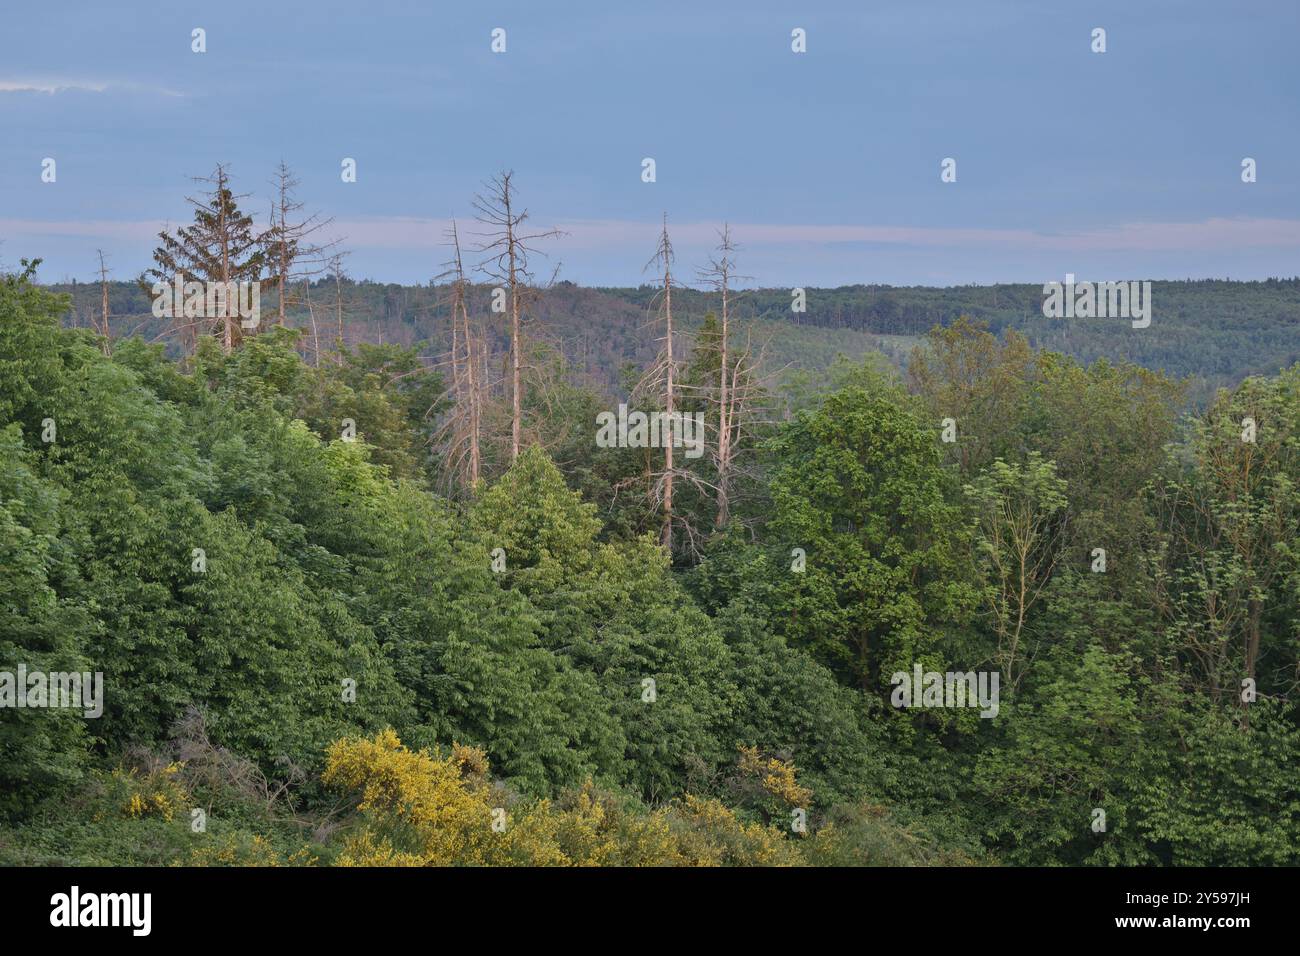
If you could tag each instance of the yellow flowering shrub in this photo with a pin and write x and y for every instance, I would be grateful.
(712, 835)
(156, 793)
(589, 828)
(366, 850)
(244, 850)
(434, 809)
(417, 809)
(775, 776)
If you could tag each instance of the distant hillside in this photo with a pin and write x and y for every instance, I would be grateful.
(1215, 331)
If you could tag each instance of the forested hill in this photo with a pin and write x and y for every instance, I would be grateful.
(1216, 332)
(1014, 611)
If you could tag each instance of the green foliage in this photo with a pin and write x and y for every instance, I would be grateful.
(275, 607)
(41, 751)
(859, 488)
(1217, 792)
(616, 613)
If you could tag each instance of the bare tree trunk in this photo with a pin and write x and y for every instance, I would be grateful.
(668, 439)
(462, 427)
(664, 256)
(719, 274)
(475, 398)
(103, 291)
(516, 395)
(507, 262)
(293, 252)
(315, 334)
(282, 278)
(223, 232)
(724, 418)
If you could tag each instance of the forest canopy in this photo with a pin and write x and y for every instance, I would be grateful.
(324, 640)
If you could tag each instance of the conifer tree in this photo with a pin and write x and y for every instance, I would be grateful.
(221, 245)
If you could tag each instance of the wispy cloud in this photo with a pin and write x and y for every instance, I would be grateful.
(51, 87)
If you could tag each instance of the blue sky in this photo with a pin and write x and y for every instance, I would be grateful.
(1117, 165)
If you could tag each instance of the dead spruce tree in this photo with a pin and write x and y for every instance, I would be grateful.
(461, 432)
(103, 330)
(291, 253)
(507, 249)
(733, 435)
(719, 274)
(749, 385)
(661, 379)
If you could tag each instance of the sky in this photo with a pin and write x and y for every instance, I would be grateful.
(1117, 165)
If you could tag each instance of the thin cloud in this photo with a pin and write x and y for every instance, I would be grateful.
(19, 86)
(54, 87)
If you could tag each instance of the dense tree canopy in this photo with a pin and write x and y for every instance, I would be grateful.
(300, 631)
